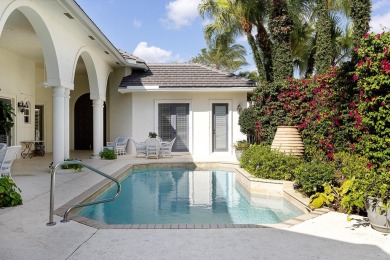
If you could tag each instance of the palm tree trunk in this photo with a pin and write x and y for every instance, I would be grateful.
(280, 26)
(323, 55)
(256, 55)
(264, 43)
(361, 16)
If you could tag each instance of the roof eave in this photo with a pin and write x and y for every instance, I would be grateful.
(141, 66)
(97, 33)
(133, 89)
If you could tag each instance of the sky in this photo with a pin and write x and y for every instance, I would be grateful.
(160, 31)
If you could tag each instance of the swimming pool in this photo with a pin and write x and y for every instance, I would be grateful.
(185, 196)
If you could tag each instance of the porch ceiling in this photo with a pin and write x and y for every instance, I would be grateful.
(19, 37)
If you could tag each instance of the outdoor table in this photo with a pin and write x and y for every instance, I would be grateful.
(32, 148)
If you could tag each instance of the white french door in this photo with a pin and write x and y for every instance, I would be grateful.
(173, 122)
(220, 127)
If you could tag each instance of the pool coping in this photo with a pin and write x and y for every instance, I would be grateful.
(246, 181)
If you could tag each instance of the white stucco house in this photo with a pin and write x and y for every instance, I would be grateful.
(73, 90)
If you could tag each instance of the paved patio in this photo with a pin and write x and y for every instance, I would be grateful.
(24, 234)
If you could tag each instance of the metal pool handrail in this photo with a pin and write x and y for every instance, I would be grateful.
(52, 182)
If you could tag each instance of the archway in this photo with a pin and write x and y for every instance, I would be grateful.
(83, 123)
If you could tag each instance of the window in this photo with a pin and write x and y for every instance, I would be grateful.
(39, 123)
(27, 113)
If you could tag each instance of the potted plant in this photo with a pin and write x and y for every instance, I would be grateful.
(378, 201)
(152, 135)
(364, 188)
(108, 154)
(370, 191)
(6, 118)
(9, 193)
(240, 147)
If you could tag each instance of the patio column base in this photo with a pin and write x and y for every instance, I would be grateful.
(95, 157)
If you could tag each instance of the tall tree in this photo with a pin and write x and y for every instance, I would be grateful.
(228, 58)
(323, 54)
(361, 16)
(303, 35)
(280, 25)
(342, 41)
(316, 38)
(238, 17)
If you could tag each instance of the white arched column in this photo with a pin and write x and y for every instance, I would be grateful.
(58, 124)
(97, 127)
(66, 124)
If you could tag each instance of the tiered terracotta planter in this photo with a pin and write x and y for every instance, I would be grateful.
(288, 140)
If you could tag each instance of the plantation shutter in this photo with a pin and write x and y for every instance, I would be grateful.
(165, 122)
(173, 122)
(220, 127)
(181, 127)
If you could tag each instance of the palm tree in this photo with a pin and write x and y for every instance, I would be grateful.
(233, 18)
(229, 58)
(342, 41)
(311, 26)
(307, 30)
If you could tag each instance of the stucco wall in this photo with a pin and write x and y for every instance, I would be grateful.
(44, 97)
(144, 114)
(17, 81)
(119, 109)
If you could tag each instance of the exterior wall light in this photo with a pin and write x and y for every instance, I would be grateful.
(22, 106)
(239, 108)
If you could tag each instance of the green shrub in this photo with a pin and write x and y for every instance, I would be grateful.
(9, 193)
(73, 166)
(357, 178)
(241, 145)
(311, 176)
(373, 80)
(349, 165)
(331, 197)
(263, 162)
(107, 154)
(6, 118)
(323, 108)
(358, 181)
(247, 122)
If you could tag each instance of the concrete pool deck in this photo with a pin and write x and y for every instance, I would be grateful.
(24, 234)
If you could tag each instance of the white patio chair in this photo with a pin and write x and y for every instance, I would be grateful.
(140, 147)
(119, 145)
(152, 148)
(2, 146)
(8, 156)
(166, 148)
(2, 153)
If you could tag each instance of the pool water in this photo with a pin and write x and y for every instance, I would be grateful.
(183, 196)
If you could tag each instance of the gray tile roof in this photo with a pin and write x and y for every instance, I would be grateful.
(129, 56)
(184, 75)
